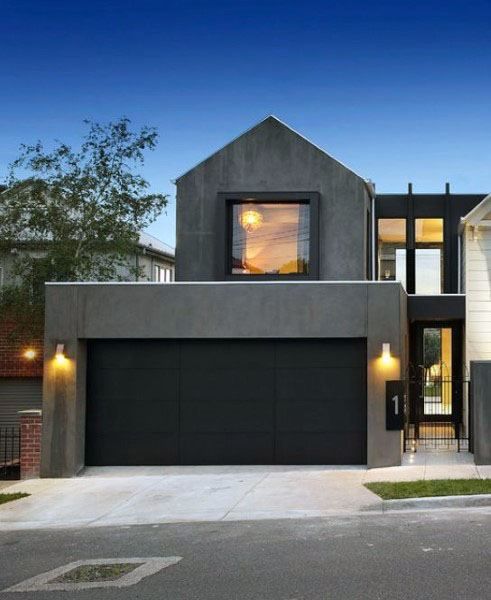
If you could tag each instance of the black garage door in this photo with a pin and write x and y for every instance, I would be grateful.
(192, 402)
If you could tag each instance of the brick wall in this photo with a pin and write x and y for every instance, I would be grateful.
(13, 363)
(30, 443)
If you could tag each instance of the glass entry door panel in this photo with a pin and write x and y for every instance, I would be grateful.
(437, 412)
(436, 384)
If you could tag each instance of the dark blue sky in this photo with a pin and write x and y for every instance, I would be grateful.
(399, 91)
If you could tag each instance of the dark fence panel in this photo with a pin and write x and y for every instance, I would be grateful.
(438, 415)
(10, 452)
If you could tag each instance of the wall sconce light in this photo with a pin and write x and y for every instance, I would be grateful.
(386, 352)
(30, 354)
(60, 353)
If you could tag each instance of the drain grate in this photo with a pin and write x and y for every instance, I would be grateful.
(96, 573)
(91, 573)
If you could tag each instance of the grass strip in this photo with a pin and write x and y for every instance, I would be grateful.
(392, 490)
(9, 497)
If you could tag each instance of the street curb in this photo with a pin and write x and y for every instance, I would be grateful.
(465, 501)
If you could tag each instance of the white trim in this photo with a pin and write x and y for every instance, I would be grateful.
(475, 216)
(255, 282)
(374, 242)
(435, 295)
(459, 265)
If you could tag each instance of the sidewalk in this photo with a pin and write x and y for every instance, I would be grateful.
(431, 465)
(142, 495)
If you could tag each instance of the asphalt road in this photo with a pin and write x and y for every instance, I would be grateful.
(438, 555)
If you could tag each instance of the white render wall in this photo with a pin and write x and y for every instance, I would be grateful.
(476, 269)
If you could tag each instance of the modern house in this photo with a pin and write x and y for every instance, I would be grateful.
(21, 368)
(299, 294)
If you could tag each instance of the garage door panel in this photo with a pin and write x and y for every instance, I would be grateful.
(312, 415)
(228, 354)
(134, 449)
(129, 414)
(336, 448)
(320, 383)
(141, 383)
(22, 393)
(227, 384)
(337, 353)
(228, 416)
(227, 448)
(226, 402)
(134, 354)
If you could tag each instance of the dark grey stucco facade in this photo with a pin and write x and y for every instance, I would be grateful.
(79, 313)
(270, 160)
(271, 157)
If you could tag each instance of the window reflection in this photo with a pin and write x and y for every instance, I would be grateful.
(392, 250)
(437, 365)
(429, 256)
(270, 238)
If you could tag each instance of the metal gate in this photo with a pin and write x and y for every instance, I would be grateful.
(9, 452)
(437, 414)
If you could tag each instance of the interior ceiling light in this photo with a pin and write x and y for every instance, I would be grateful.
(251, 219)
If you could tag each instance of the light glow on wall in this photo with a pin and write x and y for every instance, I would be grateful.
(60, 357)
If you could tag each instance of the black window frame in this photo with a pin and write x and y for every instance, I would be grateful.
(443, 260)
(411, 249)
(377, 273)
(226, 203)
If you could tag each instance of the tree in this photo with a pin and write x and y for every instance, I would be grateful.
(77, 212)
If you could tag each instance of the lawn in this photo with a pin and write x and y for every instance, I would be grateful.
(9, 497)
(432, 487)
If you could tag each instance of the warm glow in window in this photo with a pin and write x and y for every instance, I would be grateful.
(270, 238)
(392, 250)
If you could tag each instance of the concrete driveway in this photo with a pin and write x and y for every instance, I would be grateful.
(137, 495)
(143, 495)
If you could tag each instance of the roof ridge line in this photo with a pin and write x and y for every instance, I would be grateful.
(249, 129)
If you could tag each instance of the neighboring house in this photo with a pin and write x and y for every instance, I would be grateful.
(21, 377)
(286, 320)
(156, 259)
(152, 257)
(476, 280)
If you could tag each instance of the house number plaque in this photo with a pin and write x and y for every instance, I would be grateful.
(394, 405)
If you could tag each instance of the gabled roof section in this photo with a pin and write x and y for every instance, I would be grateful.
(152, 243)
(272, 118)
(477, 214)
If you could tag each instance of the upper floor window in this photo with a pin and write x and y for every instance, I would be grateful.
(392, 250)
(428, 237)
(270, 238)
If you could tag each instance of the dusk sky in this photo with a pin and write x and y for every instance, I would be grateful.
(399, 91)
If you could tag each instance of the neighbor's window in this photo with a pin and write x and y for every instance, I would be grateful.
(392, 250)
(270, 238)
(163, 274)
(428, 236)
